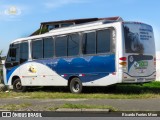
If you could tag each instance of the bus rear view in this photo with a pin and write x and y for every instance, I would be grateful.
(138, 62)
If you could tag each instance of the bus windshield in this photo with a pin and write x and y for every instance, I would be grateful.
(138, 38)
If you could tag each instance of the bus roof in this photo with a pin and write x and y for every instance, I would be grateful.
(60, 31)
(47, 26)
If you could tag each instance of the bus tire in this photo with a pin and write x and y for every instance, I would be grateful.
(75, 85)
(17, 86)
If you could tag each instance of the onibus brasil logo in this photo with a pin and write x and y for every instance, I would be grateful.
(13, 10)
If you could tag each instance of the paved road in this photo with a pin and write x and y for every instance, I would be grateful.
(120, 104)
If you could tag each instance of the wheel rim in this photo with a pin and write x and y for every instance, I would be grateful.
(18, 86)
(76, 86)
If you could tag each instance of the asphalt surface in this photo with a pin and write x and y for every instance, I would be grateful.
(120, 104)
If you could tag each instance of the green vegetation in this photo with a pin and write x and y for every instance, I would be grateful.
(60, 95)
(13, 107)
(86, 106)
(51, 109)
(122, 91)
(81, 106)
(41, 31)
(1, 52)
(152, 87)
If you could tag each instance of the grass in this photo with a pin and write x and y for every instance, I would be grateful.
(147, 87)
(82, 106)
(59, 95)
(51, 108)
(13, 107)
(86, 106)
(122, 91)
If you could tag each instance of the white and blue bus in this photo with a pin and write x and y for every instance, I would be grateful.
(98, 53)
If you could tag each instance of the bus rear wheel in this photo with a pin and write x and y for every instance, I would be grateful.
(76, 85)
(17, 86)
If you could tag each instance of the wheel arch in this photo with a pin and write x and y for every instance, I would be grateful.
(14, 78)
(70, 78)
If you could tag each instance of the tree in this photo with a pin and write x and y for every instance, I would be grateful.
(1, 52)
(1, 55)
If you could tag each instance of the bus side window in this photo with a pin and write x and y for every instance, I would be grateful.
(103, 41)
(61, 46)
(48, 44)
(73, 45)
(13, 56)
(23, 52)
(89, 43)
(37, 49)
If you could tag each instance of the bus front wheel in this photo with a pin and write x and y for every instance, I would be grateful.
(17, 86)
(75, 85)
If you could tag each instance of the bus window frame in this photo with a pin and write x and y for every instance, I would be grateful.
(79, 45)
(55, 45)
(90, 31)
(37, 39)
(111, 42)
(80, 34)
(26, 41)
(79, 53)
(53, 40)
(11, 63)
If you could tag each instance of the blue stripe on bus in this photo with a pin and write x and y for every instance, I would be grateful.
(10, 71)
(93, 67)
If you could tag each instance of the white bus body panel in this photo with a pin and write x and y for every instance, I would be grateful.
(36, 74)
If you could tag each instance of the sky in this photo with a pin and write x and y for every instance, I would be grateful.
(30, 13)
